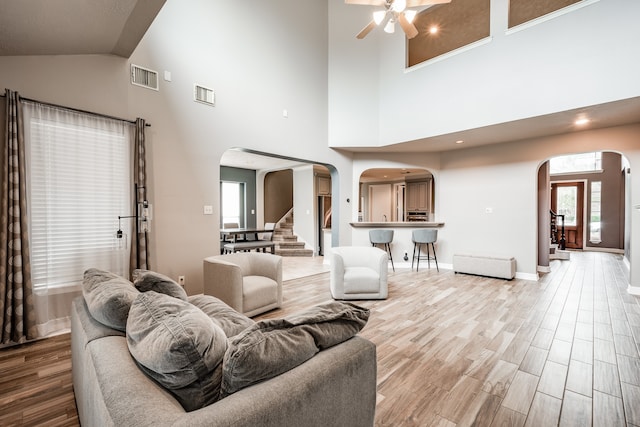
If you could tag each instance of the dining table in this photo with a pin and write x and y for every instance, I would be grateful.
(235, 234)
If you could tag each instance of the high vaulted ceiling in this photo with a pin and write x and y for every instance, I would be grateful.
(74, 27)
(81, 27)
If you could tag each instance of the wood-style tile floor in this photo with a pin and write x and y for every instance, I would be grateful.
(453, 350)
(459, 350)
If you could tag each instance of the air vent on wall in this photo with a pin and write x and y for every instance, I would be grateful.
(144, 77)
(204, 95)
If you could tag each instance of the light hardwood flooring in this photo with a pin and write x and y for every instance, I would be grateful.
(453, 350)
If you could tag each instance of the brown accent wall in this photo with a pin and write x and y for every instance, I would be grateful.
(459, 23)
(521, 11)
(278, 194)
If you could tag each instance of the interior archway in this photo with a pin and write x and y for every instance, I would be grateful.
(306, 175)
(396, 195)
(603, 206)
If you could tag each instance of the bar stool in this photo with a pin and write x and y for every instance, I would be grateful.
(421, 237)
(382, 237)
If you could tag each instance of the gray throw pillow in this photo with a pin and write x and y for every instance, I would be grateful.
(146, 280)
(231, 322)
(108, 297)
(179, 346)
(272, 347)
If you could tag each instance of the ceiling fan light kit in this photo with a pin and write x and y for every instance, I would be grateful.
(394, 11)
(390, 28)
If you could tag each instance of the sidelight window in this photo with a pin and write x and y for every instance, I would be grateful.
(595, 235)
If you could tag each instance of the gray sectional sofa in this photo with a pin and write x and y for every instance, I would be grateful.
(335, 387)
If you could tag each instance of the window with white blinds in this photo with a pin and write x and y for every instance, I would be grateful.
(79, 166)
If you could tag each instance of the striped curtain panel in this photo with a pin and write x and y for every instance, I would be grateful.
(17, 320)
(140, 242)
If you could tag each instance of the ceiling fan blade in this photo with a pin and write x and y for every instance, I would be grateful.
(409, 29)
(418, 3)
(366, 30)
(366, 2)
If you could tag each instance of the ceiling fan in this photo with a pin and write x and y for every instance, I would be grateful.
(394, 11)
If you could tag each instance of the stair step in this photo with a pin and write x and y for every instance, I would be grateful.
(290, 245)
(560, 254)
(291, 238)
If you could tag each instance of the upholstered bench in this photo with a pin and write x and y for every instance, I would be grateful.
(503, 267)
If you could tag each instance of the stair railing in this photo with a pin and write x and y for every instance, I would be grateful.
(557, 219)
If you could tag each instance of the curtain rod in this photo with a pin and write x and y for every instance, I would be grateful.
(77, 110)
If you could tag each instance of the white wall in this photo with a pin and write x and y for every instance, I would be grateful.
(304, 206)
(581, 58)
(354, 67)
(503, 177)
(330, 84)
(246, 52)
(557, 65)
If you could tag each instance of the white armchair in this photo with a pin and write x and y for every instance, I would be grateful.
(249, 282)
(358, 273)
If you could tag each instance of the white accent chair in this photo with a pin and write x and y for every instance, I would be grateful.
(249, 282)
(358, 273)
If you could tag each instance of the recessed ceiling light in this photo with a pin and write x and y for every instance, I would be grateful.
(433, 29)
(582, 121)
(459, 141)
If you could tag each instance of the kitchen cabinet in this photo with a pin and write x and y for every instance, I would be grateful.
(418, 196)
(324, 186)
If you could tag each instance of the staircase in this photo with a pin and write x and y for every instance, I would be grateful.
(287, 243)
(557, 246)
(556, 253)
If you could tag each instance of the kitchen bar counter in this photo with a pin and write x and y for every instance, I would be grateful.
(412, 224)
(402, 244)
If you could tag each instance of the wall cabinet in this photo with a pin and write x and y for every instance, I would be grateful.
(418, 196)
(324, 186)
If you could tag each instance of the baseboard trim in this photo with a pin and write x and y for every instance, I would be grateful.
(598, 249)
(633, 290)
(528, 276)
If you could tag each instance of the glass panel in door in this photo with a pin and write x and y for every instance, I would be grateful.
(567, 198)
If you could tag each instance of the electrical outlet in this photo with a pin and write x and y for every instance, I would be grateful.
(181, 280)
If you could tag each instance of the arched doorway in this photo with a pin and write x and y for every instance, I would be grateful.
(303, 181)
(396, 195)
(582, 205)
